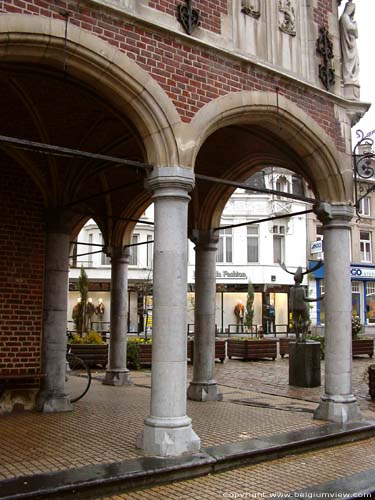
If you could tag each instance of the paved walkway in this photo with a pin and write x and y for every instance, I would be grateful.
(257, 403)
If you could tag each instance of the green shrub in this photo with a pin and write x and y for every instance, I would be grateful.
(132, 351)
(92, 337)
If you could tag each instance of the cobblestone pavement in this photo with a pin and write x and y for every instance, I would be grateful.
(268, 479)
(104, 425)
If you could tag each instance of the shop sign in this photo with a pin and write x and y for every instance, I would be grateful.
(230, 274)
(362, 272)
(317, 246)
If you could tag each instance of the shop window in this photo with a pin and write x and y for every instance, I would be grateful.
(252, 243)
(278, 248)
(224, 250)
(370, 302)
(321, 303)
(365, 246)
(365, 207)
(133, 260)
(356, 298)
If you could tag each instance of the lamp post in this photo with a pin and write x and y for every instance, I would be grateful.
(363, 168)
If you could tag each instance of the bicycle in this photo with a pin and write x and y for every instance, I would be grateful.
(77, 377)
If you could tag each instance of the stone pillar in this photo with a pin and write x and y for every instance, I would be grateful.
(168, 430)
(117, 372)
(52, 397)
(203, 386)
(338, 403)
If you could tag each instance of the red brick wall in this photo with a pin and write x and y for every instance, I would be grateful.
(191, 75)
(210, 11)
(324, 7)
(21, 272)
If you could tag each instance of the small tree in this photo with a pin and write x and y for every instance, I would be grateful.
(83, 287)
(249, 313)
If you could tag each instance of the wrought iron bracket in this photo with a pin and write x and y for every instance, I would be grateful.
(324, 47)
(188, 17)
(363, 169)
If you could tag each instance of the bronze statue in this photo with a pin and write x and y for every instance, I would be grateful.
(298, 301)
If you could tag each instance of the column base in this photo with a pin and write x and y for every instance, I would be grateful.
(204, 391)
(338, 409)
(168, 437)
(117, 378)
(53, 404)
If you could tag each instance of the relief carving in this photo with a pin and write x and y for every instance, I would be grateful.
(287, 17)
(251, 8)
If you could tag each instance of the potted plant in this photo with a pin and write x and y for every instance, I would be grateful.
(90, 348)
(360, 345)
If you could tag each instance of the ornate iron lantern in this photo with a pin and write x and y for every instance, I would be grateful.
(363, 167)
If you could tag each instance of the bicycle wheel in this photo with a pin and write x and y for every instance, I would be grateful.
(77, 378)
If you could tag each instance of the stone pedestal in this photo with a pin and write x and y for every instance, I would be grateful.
(304, 364)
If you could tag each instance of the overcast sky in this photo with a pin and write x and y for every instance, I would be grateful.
(365, 17)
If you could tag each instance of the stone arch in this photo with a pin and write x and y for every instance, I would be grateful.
(40, 40)
(328, 169)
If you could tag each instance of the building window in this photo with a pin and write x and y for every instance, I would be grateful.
(252, 243)
(89, 250)
(133, 260)
(283, 185)
(224, 251)
(365, 246)
(278, 248)
(104, 259)
(365, 207)
(150, 250)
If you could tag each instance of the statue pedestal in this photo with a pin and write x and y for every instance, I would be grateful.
(304, 364)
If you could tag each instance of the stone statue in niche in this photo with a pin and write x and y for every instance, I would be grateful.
(348, 40)
(287, 17)
(251, 8)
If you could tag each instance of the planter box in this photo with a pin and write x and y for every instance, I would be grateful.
(91, 354)
(145, 354)
(363, 346)
(219, 350)
(252, 349)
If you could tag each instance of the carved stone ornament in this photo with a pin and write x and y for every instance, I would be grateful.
(251, 8)
(287, 17)
(188, 17)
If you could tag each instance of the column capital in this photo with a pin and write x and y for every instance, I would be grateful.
(204, 239)
(57, 220)
(334, 215)
(119, 253)
(170, 182)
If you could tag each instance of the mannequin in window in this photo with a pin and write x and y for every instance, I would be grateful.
(239, 312)
(99, 310)
(90, 309)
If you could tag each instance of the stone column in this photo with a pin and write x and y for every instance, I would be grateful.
(338, 403)
(168, 430)
(52, 397)
(117, 373)
(203, 386)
